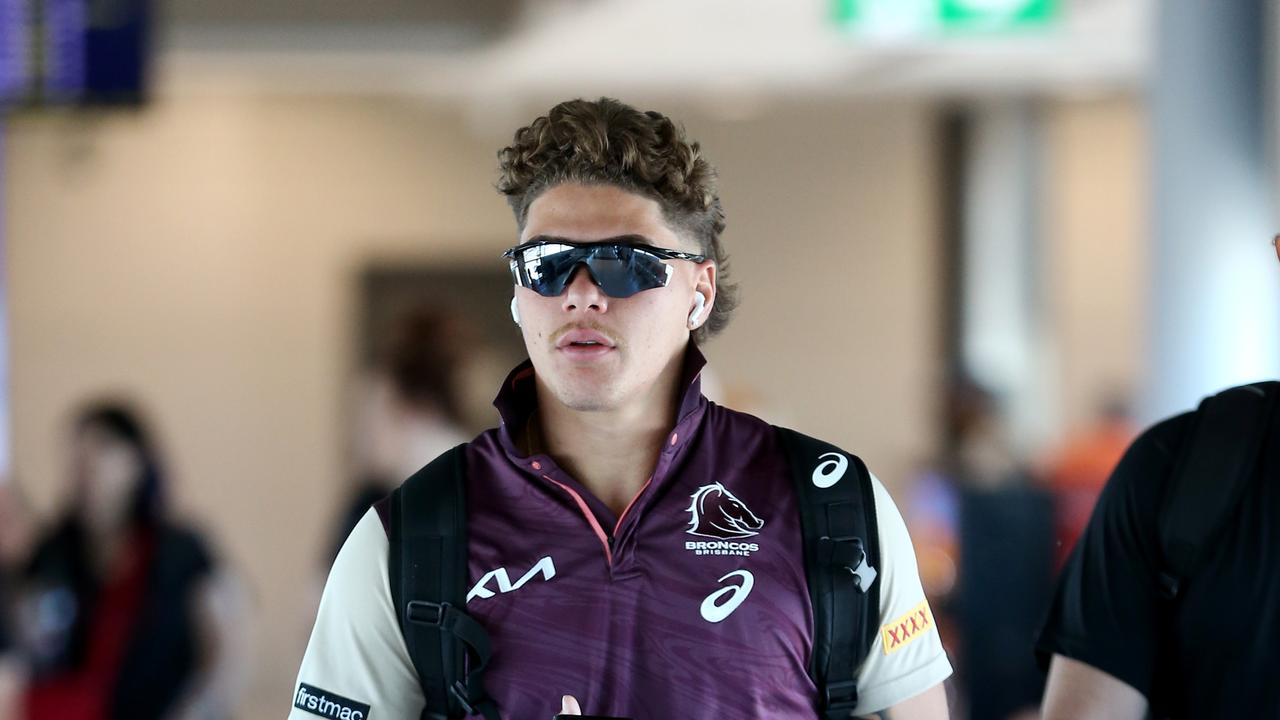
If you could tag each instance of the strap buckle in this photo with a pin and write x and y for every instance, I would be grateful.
(426, 613)
(473, 699)
(840, 551)
(841, 696)
(459, 692)
(847, 553)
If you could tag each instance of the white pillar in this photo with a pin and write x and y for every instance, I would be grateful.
(1215, 304)
(1003, 338)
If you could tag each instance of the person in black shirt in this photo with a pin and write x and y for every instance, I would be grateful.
(126, 613)
(1118, 646)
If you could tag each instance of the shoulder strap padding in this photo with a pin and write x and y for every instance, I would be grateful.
(1212, 469)
(428, 568)
(842, 562)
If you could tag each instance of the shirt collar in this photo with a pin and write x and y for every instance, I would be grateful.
(518, 398)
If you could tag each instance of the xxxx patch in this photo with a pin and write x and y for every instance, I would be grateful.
(906, 629)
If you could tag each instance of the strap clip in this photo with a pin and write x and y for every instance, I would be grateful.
(459, 692)
(848, 554)
(426, 613)
(841, 696)
(840, 551)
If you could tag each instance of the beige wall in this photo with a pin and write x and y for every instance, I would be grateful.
(201, 255)
(1096, 257)
(832, 225)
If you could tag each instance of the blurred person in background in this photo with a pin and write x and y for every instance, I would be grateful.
(1077, 471)
(14, 540)
(409, 409)
(1169, 606)
(605, 439)
(11, 682)
(123, 611)
(983, 535)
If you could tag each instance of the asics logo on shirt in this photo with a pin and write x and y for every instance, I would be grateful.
(829, 472)
(546, 567)
(714, 611)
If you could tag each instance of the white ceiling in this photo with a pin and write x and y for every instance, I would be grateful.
(738, 50)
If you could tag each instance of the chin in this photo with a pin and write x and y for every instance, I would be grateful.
(585, 398)
(589, 405)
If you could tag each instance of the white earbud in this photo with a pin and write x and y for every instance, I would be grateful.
(515, 312)
(699, 304)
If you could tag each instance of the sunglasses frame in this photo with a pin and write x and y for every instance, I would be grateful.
(658, 252)
(663, 253)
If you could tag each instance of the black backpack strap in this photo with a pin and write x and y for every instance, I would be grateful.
(1212, 470)
(428, 570)
(842, 560)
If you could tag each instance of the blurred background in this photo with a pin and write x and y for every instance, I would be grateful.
(256, 244)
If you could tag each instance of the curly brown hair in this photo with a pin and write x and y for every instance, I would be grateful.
(609, 142)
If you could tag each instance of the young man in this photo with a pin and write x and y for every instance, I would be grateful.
(586, 507)
(1167, 607)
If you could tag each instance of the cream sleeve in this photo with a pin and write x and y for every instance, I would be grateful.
(907, 656)
(356, 666)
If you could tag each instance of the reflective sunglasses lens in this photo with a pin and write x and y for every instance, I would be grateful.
(619, 270)
(627, 271)
(545, 269)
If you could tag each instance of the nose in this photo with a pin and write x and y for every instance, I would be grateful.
(582, 293)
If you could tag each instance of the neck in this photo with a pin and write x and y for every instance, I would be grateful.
(610, 452)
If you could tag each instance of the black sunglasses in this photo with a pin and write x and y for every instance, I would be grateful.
(620, 268)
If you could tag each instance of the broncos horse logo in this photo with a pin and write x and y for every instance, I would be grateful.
(718, 514)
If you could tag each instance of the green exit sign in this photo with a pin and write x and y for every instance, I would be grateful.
(996, 14)
(920, 17)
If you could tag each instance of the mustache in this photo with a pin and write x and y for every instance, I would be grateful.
(586, 325)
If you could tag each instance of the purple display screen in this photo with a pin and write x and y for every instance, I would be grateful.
(15, 50)
(64, 36)
(57, 52)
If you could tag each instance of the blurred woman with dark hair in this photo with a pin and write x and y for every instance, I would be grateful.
(409, 408)
(125, 613)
